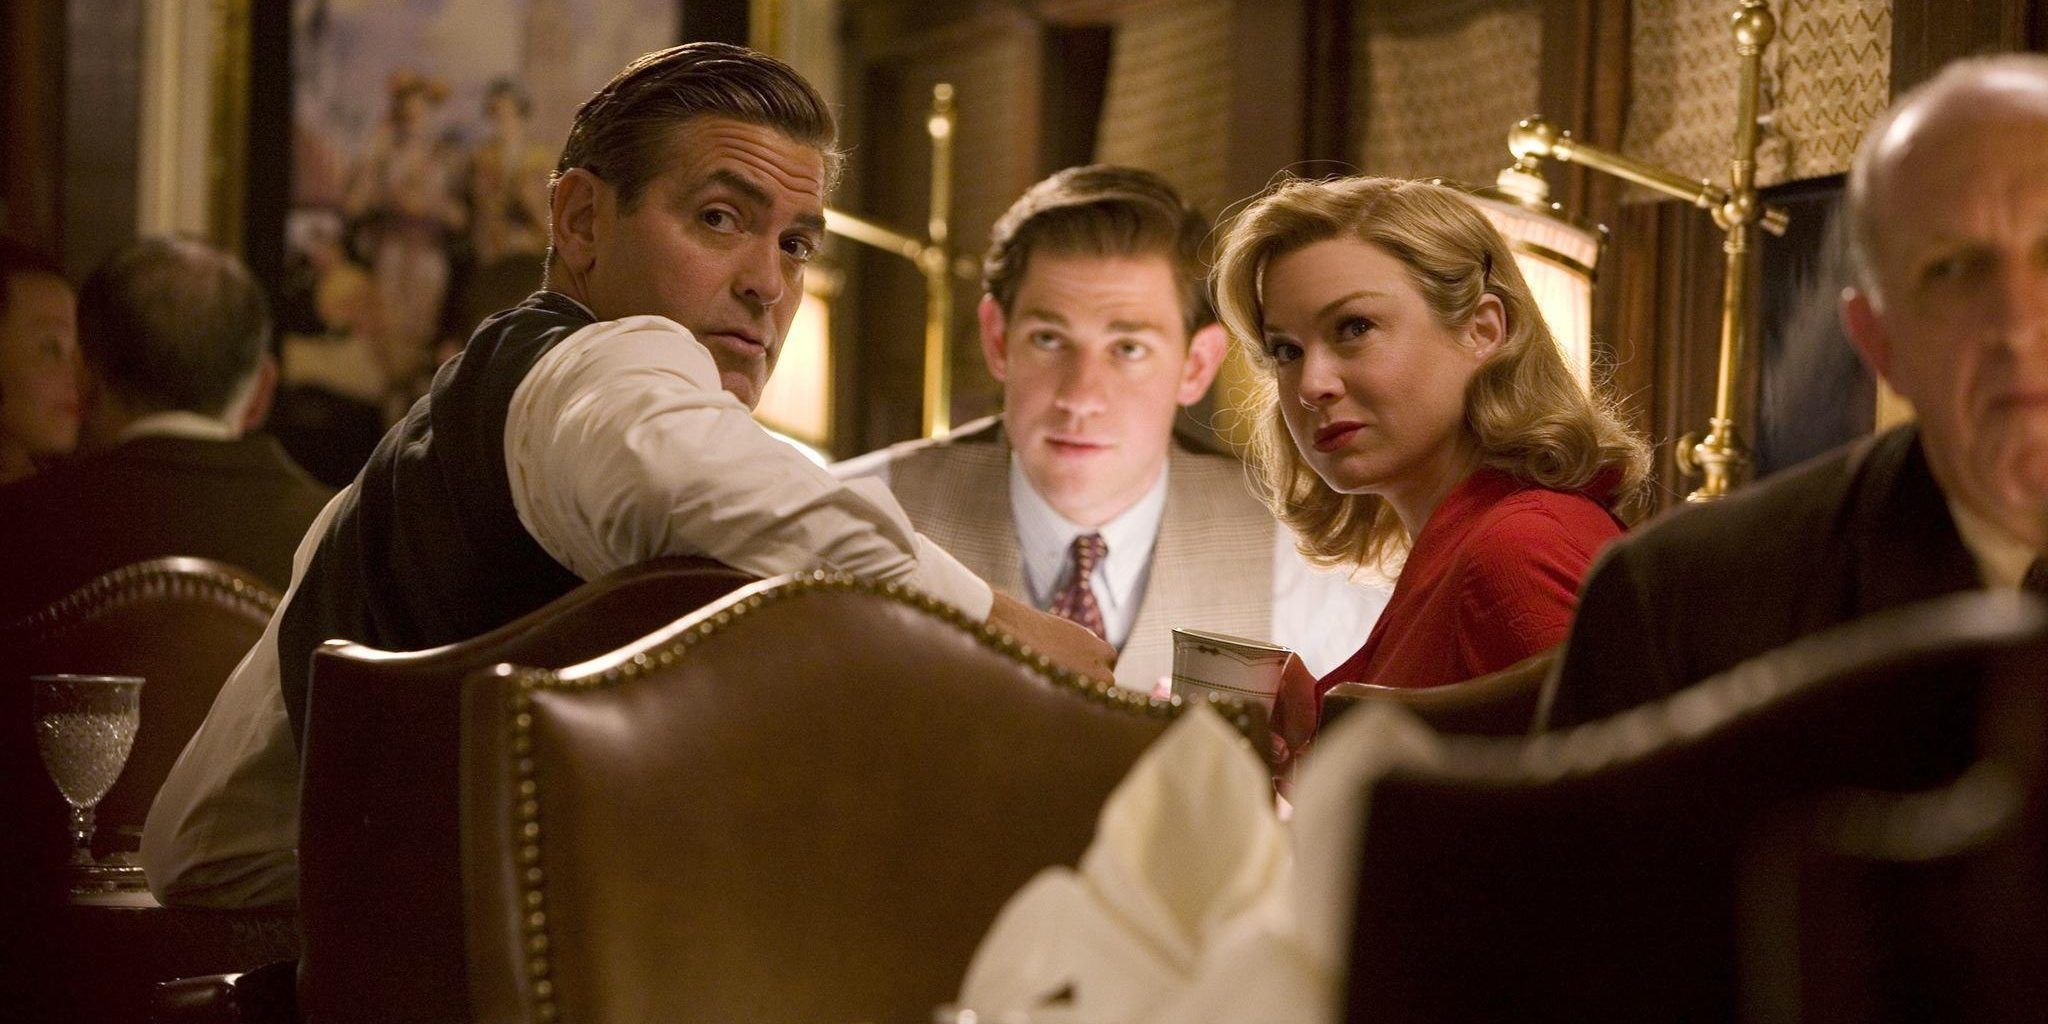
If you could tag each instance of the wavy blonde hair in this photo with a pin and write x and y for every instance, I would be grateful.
(1524, 410)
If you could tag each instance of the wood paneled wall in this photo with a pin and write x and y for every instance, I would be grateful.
(32, 120)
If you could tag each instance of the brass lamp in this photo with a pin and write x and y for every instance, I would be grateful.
(1720, 456)
(930, 256)
(1556, 255)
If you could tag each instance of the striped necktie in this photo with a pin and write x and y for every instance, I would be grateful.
(1076, 600)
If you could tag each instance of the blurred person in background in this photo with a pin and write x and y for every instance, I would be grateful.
(176, 342)
(38, 361)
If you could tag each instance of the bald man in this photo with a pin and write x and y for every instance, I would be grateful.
(1948, 201)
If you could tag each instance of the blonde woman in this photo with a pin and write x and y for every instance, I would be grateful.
(1413, 410)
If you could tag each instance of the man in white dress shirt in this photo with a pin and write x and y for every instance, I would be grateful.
(602, 422)
(1078, 498)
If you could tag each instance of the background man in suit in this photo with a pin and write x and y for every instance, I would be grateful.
(1096, 321)
(176, 339)
(1948, 201)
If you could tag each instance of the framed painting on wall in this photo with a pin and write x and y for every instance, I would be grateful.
(423, 133)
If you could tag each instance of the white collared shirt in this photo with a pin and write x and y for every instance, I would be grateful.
(179, 423)
(1045, 541)
(1321, 614)
(621, 446)
(2002, 559)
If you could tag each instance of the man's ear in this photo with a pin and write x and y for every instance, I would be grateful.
(995, 346)
(573, 219)
(257, 409)
(1866, 331)
(1488, 330)
(1206, 348)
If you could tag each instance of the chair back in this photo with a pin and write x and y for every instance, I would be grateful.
(805, 804)
(182, 624)
(379, 859)
(1591, 875)
(1499, 703)
(1928, 907)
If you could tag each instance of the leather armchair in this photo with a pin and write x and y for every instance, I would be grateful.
(1499, 703)
(807, 803)
(379, 863)
(1593, 874)
(180, 623)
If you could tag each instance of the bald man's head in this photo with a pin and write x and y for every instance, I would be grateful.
(1949, 207)
(1969, 100)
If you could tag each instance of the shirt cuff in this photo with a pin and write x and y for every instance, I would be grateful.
(942, 576)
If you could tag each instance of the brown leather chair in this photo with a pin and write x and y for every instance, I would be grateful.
(805, 804)
(379, 864)
(1591, 875)
(180, 623)
(1499, 703)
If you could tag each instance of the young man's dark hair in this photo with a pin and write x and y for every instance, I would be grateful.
(170, 323)
(621, 134)
(1101, 210)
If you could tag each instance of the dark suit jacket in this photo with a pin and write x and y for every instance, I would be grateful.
(242, 502)
(1708, 586)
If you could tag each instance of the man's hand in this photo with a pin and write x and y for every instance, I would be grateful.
(1059, 639)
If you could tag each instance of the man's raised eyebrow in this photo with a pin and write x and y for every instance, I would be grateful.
(749, 190)
(752, 192)
(1041, 313)
(1135, 327)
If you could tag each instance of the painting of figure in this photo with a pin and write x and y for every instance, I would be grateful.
(424, 134)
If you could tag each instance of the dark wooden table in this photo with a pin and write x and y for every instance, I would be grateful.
(120, 946)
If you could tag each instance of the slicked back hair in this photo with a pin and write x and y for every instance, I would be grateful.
(1101, 210)
(624, 132)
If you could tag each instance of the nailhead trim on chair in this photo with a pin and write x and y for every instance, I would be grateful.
(138, 581)
(519, 706)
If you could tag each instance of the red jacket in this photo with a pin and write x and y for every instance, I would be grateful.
(1492, 579)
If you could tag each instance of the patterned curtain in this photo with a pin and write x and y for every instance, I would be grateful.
(1167, 106)
(1443, 81)
(1825, 78)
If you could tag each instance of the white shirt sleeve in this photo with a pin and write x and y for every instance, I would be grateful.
(622, 446)
(875, 465)
(1324, 615)
(223, 832)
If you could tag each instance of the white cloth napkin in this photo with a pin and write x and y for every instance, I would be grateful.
(1193, 904)
(1185, 846)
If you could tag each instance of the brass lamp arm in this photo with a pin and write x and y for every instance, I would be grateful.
(1535, 138)
(1719, 456)
(931, 258)
(867, 232)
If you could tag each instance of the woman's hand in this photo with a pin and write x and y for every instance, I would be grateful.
(1294, 713)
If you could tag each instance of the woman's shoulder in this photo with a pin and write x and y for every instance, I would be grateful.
(1531, 515)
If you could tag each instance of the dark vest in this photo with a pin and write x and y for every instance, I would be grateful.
(426, 548)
